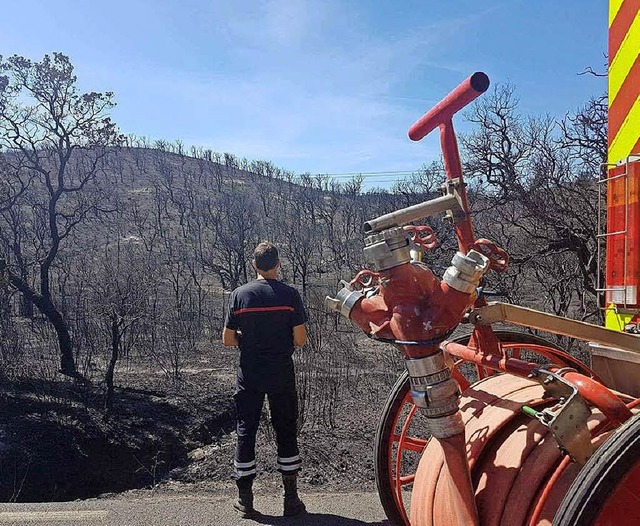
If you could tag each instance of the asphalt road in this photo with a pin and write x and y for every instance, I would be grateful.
(202, 509)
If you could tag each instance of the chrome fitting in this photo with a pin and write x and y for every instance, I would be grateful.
(466, 271)
(344, 301)
(426, 366)
(436, 400)
(387, 249)
(432, 387)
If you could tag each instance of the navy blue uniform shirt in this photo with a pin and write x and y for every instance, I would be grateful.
(265, 311)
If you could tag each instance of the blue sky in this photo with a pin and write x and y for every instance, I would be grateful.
(321, 86)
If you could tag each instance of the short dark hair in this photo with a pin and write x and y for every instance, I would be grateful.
(266, 256)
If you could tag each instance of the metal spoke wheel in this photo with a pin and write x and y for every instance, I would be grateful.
(402, 431)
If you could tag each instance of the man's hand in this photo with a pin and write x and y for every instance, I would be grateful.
(229, 337)
(299, 335)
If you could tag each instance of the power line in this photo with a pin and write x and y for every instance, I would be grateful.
(374, 173)
(365, 175)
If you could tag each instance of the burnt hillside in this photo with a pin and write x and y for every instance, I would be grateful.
(117, 256)
(141, 280)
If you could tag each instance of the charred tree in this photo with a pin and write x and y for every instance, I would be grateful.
(56, 138)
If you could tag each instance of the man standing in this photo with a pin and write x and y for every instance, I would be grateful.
(266, 321)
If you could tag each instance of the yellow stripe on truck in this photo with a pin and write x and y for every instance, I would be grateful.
(614, 7)
(624, 59)
(627, 136)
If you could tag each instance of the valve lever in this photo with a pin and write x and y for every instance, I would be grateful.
(422, 236)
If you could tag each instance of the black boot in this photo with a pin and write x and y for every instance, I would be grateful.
(244, 504)
(292, 504)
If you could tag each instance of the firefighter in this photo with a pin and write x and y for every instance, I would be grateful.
(266, 321)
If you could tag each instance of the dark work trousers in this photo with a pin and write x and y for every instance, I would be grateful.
(284, 414)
